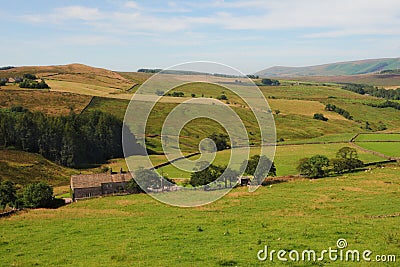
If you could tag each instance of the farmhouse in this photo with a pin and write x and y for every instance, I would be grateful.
(99, 184)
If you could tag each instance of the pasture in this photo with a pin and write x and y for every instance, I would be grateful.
(136, 230)
(51, 103)
(286, 158)
(391, 149)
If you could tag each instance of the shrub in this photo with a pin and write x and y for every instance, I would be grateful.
(319, 116)
(314, 167)
(38, 195)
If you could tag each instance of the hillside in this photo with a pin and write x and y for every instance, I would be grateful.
(334, 69)
(76, 78)
(23, 168)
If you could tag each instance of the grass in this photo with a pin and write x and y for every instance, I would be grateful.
(286, 158)
(24, 168)
(378, 137)
(136, 230)
(391, 149)
(52, 103)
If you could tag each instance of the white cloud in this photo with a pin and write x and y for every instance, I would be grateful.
(77, 12)
(318, 19)
(132, 5)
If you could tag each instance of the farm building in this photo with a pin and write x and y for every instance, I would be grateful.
(99, 184)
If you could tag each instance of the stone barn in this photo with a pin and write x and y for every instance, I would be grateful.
(99, 184)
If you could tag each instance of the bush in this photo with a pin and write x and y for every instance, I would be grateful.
(29, 76)
(319, 116)
(259, 166)
(270, 82)
(39, 195)
(314, 167)
(205, 175)
(32, 84)
(220, 140)
(222, 97)
(7, 194)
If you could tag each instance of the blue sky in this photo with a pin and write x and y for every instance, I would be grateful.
(248, 35)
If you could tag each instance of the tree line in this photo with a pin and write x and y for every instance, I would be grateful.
(37, 195)
(72, 141)
(386, 104)
(340, 111)
(209, 174)
(319, 166)
(373, 91)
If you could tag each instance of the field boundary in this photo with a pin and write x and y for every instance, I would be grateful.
(8, 213)
(87, 106)
(374, 152)
(174, 160)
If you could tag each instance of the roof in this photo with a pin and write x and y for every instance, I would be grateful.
(95, 180)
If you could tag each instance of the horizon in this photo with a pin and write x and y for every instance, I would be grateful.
(136, 70)
(250, 36)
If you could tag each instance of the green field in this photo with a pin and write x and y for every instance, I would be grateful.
(391, 149)
(378, 137)
(286, 158)
(136, 230)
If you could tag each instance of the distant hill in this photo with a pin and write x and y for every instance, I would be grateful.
(334, 69)
(77, 73)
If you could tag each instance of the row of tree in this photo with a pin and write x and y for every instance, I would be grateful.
(373, 91)
(33, 84)
(38, 195)
(270, 82)
(249, 167)
(205, 174)
(320, 166)
(340, 111)
(73, 140)
(386, 104)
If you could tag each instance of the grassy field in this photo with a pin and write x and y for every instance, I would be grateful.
(378, 137)
(136, 230)
(286, 158)
(24, 168)
(52, 103)
(391, 149)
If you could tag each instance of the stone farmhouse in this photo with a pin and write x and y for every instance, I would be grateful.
(99, 184)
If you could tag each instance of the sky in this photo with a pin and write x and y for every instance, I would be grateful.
(248, 35)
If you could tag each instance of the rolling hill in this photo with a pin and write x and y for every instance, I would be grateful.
(341, 68)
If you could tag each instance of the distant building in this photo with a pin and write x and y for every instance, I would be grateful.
(244, 180)
(99, 184)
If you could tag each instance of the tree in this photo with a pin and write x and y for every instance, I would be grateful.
(347, 153)
(148, 178)
(319, 116)
(205, 175)
(313, 167)
(38, 195)
(8, 194)
(230, 176)
(133, 187)
(220, 140)
(222, 97)
(259, 166)
(346, 160)
(270, 82)
(29, 76)
(159, 92)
